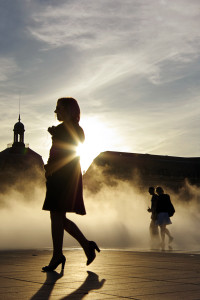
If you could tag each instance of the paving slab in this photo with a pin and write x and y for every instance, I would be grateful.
(115, 274)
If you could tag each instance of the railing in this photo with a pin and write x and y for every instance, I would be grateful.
(10, 145)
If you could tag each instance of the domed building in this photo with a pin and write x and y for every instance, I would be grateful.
(18, 163)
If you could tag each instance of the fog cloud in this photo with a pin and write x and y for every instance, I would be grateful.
(117, 218)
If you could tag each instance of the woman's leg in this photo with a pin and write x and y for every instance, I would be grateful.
(76, 233)
(57, 231)
(89, 247)
(167, 232)
(162, 233)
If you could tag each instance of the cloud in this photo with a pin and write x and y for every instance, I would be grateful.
(8, 67)
(133, 64)
(145, 35)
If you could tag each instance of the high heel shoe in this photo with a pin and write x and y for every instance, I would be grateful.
(91, 253)
(51, 268)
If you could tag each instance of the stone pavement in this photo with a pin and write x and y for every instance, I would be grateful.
(113, 275)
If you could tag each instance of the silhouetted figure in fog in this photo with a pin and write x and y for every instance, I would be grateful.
(153, 228)
(163, 209)
(64, 191)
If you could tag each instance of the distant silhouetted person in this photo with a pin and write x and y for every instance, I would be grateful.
(164, 210)
(153, 228)
(64, 190)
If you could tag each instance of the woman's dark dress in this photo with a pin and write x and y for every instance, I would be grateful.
(64, 190)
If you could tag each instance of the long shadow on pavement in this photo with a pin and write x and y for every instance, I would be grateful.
(91, 283)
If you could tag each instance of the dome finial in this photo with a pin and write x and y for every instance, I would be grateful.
(19, 108)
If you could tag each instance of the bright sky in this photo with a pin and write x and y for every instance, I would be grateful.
(133, 66)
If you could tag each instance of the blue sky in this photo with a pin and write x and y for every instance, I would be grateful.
(133, 66)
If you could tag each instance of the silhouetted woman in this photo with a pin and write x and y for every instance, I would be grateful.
(64, 191)
(163, 208)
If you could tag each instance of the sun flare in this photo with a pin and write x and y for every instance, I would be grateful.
(98, 138)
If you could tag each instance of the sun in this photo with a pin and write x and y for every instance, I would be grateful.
(98, 138)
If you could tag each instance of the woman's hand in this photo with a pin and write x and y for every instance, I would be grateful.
(51, 130)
